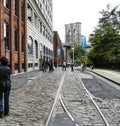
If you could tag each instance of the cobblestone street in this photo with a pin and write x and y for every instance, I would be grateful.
(30, 104)
(33, 94)
(81, 108)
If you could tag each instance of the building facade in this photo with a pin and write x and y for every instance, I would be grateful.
(40, 32)
(73, 33)
(72, 37)
(57, 49)
(13, 33)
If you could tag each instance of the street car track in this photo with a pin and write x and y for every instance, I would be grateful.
(59, 97)
(55, 101)
(94, 103)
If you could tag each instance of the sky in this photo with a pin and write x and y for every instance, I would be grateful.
(87, 12)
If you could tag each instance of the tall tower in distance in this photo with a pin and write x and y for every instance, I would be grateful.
(73, 33)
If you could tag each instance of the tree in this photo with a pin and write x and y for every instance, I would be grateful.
(106, 39)
(79, 53)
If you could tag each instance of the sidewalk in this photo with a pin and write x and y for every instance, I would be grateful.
(20, 79)
(111, 75)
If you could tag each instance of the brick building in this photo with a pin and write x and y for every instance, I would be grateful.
(57, 49)
(13, 33)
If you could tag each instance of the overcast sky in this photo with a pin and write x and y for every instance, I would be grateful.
(84, 11)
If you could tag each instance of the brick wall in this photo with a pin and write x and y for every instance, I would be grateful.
(7, 14)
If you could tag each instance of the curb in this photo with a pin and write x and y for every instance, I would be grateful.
(105, 77)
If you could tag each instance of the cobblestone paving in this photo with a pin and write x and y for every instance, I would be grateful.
(81, 109)
(33, 96)
(111, 110)
(21, 79)
(30, 105)
(78, 103)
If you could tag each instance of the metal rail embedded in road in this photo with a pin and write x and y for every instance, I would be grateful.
(96, 106)
(71, 115)
(56, 98)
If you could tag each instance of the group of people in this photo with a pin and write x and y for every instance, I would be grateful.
(46, 64)
(5, 86)
(64, 65)
(83, 66)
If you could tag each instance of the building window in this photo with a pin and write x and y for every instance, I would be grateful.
(31, 64)
(36, 50)
(35, 19)
(6, 36)
(29, 13)
(6, 3)
(16, 66)
(22, 11)
(36, 64)
(44, 30)
(46, 34)
(28, 65)
(22, 43)
(30, 47)
(23, 66)
(15, 40)
(44, 49)
(15, 7)
(40, 26)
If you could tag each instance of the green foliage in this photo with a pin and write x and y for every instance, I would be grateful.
(106, 39)
(79, 54)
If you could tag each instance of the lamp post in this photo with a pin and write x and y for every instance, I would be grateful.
(73, 52)
(72, 43)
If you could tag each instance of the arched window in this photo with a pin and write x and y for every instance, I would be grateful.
(36, 50)
(30, 47)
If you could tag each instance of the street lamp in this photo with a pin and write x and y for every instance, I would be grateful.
(73, 53)
(73, 43)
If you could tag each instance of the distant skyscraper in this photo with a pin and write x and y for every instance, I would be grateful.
(73, 33)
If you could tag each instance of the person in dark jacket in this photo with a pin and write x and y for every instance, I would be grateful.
(50, 66)
(5, 86)
(72, 65)
(44, 66)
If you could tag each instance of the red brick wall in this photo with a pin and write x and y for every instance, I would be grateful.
(13, 21)
(57, 43)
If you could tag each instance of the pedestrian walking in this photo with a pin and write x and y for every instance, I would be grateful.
(5, 86)
(64, 65)
(92, 66)
(51, 66)
(44, 66)
(83, 65)
(72, 65)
